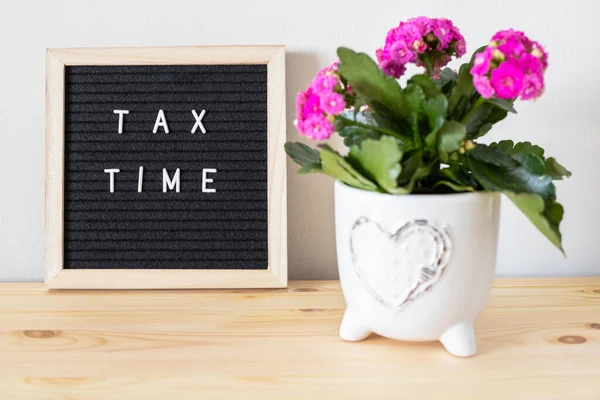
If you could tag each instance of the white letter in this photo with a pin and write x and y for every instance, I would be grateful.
(198, 123)
(121, 113)
(171, 183)
(112, 173)
(140, 179)
(206, 180)
(161, 121)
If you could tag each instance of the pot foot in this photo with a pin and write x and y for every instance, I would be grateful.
(459, 340)
(352, 329)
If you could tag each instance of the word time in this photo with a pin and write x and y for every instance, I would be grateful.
(168, 182)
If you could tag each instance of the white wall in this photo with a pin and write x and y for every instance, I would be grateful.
(564, 120)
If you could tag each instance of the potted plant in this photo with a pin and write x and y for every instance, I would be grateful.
(416, 195)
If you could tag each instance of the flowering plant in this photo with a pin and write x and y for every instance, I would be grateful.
(420, 137)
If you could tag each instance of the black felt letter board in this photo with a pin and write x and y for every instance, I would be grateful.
(226, 229)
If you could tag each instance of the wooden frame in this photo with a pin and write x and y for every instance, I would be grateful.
(59, 278)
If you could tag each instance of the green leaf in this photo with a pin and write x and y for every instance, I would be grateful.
(531, 161)
(410, 163)
(435, 111)
(555, 212)
(354, 135)
(545, 216)
(358, 103)
(462, 92)
(458, 175)
(385, 118)
(482, 119)
(506, 105)
(527, 147)
(370, 123)
(492, 155)
(304, 155)
(415, 96)
(451, 178)
(308, 168)
(525, 152)
(450, 136)
(532, 192)
(518, 178)
(427, 84)
(520, 148)
(447, 75)
(505, 146)
(485, 128)
(555, 170)
(337, 167)
(413, 170)
(454, 186)
(369, 81)
(379, 160)
(478, 118)
(461, 108)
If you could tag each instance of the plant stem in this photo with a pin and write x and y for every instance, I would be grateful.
(417, 135)
(475, 106)
(428, 66)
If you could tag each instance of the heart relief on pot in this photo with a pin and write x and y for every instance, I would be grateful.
(397, 267)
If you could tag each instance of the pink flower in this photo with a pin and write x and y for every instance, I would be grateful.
(402, 53)
(538, 51)
(511, 66)
(530, 64)
(330, 70)
(460, 47)
(443, 30)
(502, 36)
(312, 106)
(512, 47)
(533, 86)
(418, 39)
(481, 64)
(316, 106)
(441, 61)
(483, 86)
(333, 103)
(423, 25)
(382, 55)
(317, 127)
(300, 101)
(324, 84)
(393, 68)
(507, 81)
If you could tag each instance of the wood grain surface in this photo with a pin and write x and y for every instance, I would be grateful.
(537, 339)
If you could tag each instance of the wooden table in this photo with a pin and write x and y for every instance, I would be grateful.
(538, 339)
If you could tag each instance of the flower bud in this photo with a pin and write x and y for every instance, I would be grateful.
(461, 150)
(330, 118)
(537, 53)
(498, 55)
(493, 43)
(430, 37)
(469, 145)
(419, 46)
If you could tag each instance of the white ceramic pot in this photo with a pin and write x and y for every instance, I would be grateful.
(415, 267)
